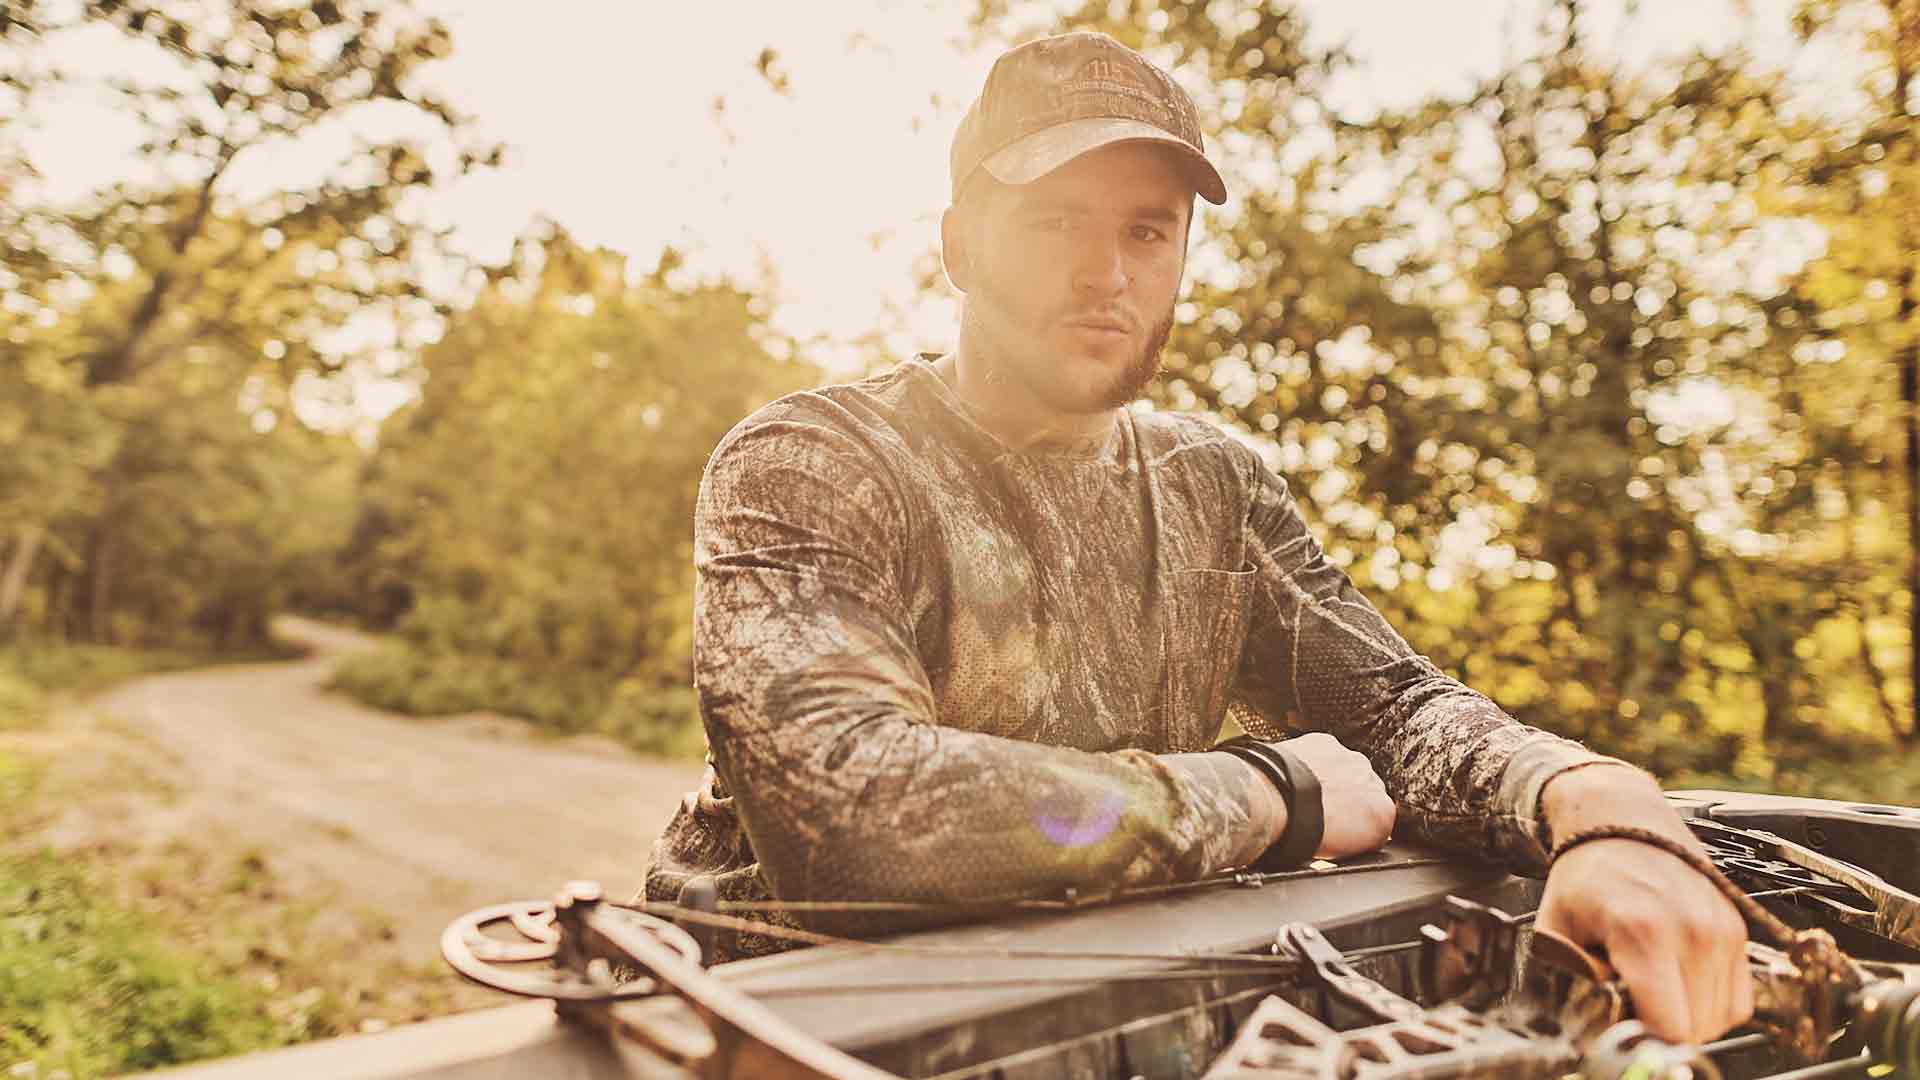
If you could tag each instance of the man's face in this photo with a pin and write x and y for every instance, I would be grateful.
(1071, 279)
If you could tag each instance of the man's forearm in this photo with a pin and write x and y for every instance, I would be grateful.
(1256, 814)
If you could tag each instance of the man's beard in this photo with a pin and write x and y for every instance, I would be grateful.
(1058, 394)
(1132, 381)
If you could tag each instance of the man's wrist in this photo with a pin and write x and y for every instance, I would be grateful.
(1606, 793)
(1299, 791)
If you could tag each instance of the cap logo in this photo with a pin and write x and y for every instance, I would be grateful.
(1103, 76)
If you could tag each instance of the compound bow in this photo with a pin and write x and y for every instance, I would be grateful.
(1501, 999)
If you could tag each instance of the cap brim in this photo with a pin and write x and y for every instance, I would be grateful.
(1026, 160)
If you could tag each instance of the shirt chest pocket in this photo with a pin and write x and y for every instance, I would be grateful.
(1204, 630)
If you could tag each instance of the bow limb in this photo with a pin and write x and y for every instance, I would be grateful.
(1896, 912)
(1873, 849)
(1882, 839)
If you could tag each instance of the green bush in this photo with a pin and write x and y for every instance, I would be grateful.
(653, 719)
(22, 704)
(661, 721)
(32, 670)
(1888, 777)
(54, 665)
(90, 989)
(85, 987)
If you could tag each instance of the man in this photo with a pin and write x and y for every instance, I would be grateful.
(966, 630)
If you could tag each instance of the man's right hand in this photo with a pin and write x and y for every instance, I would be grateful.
(1359, 815)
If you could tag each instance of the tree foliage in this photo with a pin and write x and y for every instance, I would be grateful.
(1600, 378)
(1592, 377)
(162, 335)
(536, 505)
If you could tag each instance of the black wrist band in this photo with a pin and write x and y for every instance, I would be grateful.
(1299, 789)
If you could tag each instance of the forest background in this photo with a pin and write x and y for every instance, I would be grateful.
(1598, 378)
(1598, 375)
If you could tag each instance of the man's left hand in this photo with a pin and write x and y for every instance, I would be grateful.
(1677, 943)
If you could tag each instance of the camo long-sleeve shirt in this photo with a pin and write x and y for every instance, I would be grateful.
(935, 669)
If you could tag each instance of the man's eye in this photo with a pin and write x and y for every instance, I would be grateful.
(1148, 234)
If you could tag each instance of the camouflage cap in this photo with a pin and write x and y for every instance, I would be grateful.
(1049, 101)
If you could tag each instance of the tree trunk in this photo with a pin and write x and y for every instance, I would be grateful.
(59, 619)
(1889, 711)
(1906, 47)
(100, 587)
(1909, 361)
(119, 362)
(13, 584)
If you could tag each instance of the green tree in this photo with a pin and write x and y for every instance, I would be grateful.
(1526, 356)
(142, 323)
(1866, 191)
(535, 505)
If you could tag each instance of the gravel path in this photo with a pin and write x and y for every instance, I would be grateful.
(415, 821)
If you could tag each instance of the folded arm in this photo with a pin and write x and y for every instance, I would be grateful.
(1465, 774)
(1469, 777)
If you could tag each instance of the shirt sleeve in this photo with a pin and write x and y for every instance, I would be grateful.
(1466, 776)
(823, 724)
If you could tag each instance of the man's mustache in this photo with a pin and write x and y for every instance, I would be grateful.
(1104, 319)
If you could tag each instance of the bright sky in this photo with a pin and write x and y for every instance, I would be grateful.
(832, 193)
(839, 187)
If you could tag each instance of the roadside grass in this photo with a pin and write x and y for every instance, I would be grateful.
(403, 677)
(93, 990)
(34, 673)
(89, 987)
(120, 955)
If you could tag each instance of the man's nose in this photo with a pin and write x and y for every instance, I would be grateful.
(1101, 269)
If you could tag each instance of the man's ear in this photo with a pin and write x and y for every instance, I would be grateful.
(955, 256)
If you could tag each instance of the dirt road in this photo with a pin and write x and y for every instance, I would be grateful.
(361, 815)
